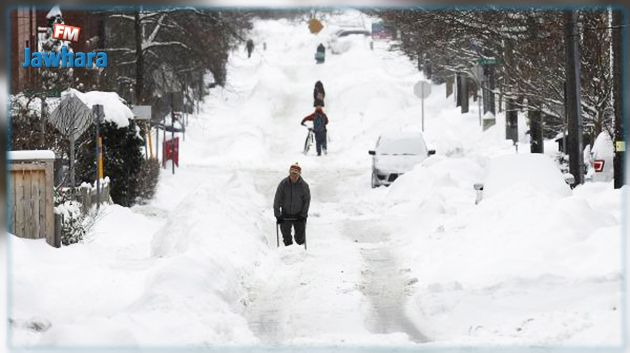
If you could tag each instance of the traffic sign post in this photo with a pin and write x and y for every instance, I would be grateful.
(422, 89)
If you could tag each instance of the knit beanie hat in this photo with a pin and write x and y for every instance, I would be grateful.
(296, 166)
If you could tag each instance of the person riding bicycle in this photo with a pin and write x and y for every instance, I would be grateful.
(318, 94)
(290, 205)
(320, 120)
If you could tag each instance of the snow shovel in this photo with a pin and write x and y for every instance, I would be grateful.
(277, 237)
(305, 235)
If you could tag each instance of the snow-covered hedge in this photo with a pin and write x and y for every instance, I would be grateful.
(73, 221)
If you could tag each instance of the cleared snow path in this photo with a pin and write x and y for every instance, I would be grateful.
(339, 228)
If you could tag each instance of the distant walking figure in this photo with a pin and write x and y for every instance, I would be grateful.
(320, 54)
(318, 94)
(250, 47)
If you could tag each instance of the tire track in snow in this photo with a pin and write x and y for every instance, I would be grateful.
(383, 283)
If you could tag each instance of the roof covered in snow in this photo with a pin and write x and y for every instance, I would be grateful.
(115, 109)
(54, 12)
(30, 154)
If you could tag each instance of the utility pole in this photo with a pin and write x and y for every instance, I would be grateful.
(138, 32)
(618, 77)
(172, 134)
(97, 110)
(574, 111)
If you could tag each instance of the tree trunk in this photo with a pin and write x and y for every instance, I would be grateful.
(139, 59)
(488, 91)
(464, 93)
(72, 172)
(535, 129)
(511, 121)
(43, 117)
(449, 86)
(458, 89)
(618, 76)
(427, 69)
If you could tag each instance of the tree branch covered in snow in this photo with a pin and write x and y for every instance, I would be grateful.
(529, 46)
(183, 43)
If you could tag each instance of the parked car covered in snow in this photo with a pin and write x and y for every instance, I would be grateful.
(395, 154)
(523, 173)
(342, 40)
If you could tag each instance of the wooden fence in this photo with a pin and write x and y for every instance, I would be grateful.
(87, 196)
(32, 208)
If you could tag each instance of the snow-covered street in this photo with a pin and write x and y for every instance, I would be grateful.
(416, 264)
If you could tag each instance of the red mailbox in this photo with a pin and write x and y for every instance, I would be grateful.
(170, 150)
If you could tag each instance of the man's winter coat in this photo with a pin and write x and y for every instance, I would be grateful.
(292, 199)
(317, 129)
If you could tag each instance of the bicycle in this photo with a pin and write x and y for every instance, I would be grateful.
(310, 139)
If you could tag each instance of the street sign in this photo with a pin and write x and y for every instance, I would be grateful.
(620, 146)
(488, 61)
(48, 93)
(141, 112)
(422, 89)
(315, 26)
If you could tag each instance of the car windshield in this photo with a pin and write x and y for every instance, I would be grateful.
(401, 146)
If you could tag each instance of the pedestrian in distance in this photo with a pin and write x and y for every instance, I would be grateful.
(318, 94)
(250, 47)
(290, 206)
(320, 120)
(320, 54)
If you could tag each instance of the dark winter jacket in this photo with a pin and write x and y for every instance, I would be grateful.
(312, 118)
(319, 94)
(292, 199)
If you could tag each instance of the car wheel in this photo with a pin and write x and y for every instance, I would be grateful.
(375, 183)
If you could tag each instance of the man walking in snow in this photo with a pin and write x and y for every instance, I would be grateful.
(250, 47)
(320, 53)
(290, 205)
(318, 94)
(320, 120)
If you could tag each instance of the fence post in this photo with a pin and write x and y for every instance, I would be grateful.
(58, 223)
(86, 199)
